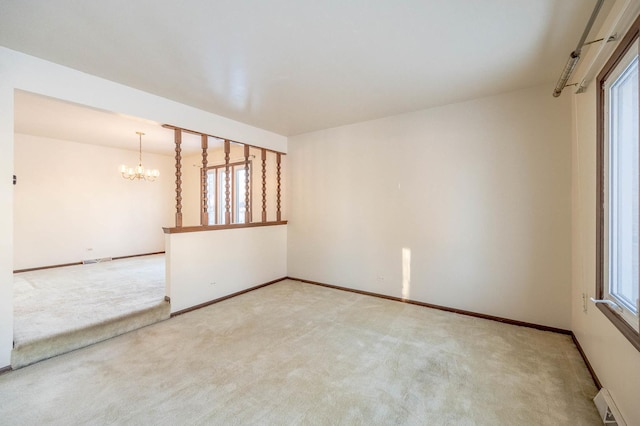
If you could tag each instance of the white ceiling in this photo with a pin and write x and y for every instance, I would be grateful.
(294, 66)
(53, 118)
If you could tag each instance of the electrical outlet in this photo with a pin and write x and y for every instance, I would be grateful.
(380, 277)
(212, 283)
(584, 302)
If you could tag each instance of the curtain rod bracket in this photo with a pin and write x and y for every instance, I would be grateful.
(582, 87)
(614, 37)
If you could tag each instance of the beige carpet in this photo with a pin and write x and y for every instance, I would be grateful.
(294, 353)
(62, 309)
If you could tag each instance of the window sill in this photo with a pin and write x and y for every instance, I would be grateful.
(202, 228)
(632, 335)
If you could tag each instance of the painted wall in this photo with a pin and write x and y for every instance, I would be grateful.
(478, 191)
(20, 71)
(207, 265)
(615, 361)
(466, 206)
(71, 203)
(6, 222)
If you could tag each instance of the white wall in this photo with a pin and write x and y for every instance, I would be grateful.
(615, 361)
(71, 203)
(207, 265)
(479, 192)
(20, 71)
(6, 221)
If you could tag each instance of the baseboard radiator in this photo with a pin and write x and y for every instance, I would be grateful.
(607, 408)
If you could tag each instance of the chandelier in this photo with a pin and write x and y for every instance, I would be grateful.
(139, 172)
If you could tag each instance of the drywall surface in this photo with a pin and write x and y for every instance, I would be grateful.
(466, 206)
(24, 72)
(6, 223)
(203, 266)
(71, 203)
(615, 360)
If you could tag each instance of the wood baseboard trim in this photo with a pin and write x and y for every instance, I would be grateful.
(594, 376)
(4, 370)
(220, 299)
(441, 308)
(62, 265)
(137, 255)
(39, 268)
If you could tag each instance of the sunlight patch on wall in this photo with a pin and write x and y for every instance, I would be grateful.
(406, 273)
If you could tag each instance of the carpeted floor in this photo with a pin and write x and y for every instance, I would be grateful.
(60, 309)
(294, 353)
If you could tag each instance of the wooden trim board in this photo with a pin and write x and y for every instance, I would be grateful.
(220, 299)
(627, 330)
(62, 265)
(138, 255)
(442, 308)
(194, 132)
(596, 381)
(185, 229)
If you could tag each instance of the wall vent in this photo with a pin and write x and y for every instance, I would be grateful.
(607, 408)
(103, 259)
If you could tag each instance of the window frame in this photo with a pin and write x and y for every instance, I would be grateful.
(218, 211)
(602, 269)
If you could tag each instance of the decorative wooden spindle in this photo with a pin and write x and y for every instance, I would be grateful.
(178, 140)
(204, 201)
(227, 183)
(278, 212)
(247, 178)
(216, 196)
(264, 185)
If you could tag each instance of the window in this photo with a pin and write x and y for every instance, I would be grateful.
(239, 204)
(618, 277)
(212, 178)
(216, 193)
(221, 199)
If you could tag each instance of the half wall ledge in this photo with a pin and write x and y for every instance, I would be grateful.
(183, 229)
